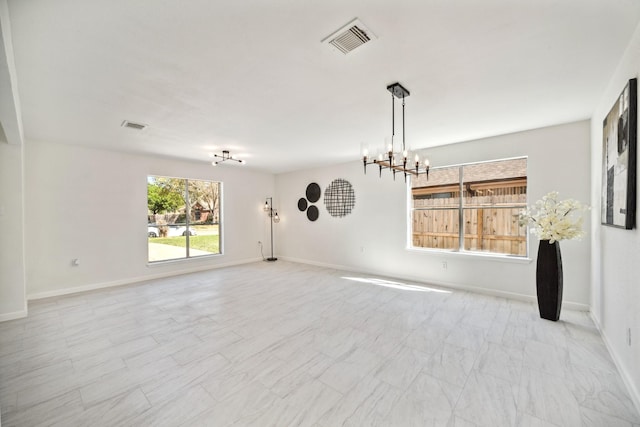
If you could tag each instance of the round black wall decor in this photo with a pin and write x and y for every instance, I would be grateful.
(313, 192)
(339, 198)
(312, 213)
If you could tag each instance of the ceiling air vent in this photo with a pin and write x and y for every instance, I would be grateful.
(133, 125)
(350, 37)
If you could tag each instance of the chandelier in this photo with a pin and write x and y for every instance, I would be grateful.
(219, 158)
(392, 160)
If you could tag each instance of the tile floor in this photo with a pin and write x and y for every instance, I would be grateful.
(283, 344)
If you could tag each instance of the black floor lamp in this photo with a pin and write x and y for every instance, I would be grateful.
(273, 216)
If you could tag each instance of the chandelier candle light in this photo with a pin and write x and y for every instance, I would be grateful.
(388, 160)
(273, 215)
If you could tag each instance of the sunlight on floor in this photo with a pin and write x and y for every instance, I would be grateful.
(395, 285)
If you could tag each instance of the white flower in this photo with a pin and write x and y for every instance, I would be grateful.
(555, 220)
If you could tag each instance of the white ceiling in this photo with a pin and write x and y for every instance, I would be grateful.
(252, 76)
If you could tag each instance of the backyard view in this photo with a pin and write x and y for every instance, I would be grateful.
(493, 194)
(183, 218)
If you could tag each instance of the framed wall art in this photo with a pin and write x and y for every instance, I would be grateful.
(619, 155)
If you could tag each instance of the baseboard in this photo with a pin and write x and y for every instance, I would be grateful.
(449, 285)
(14, 315)
(626, 378)
(132, 280)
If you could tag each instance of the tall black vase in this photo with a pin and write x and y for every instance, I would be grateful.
(549, 280)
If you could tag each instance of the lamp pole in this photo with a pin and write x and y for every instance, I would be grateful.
(273, 217)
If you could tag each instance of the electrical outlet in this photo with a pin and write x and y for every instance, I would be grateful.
(444, 265)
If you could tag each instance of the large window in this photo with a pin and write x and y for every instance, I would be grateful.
(183, 218)
(471, 207)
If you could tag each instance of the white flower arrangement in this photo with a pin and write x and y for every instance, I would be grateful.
(555, 220)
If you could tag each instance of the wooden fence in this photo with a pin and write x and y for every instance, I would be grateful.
(490, 218)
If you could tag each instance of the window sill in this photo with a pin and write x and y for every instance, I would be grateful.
(180, 260)
(473, 255)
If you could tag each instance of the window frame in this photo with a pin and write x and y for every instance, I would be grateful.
(460, 187)
(188, 221)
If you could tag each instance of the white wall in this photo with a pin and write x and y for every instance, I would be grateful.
(12, 277)
(374, 236)
(91, 204)
(615, 252)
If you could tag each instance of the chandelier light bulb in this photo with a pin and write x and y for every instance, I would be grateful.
(426, 163)
(417, 159)
(276, 218)
(214, 163)
(266, 206)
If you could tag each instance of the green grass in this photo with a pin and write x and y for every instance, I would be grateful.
(200, 227)
(204, 243)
